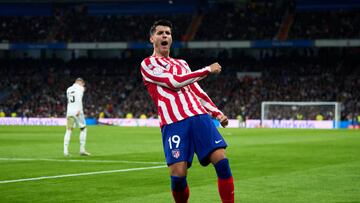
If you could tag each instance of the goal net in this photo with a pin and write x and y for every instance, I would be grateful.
(300, 111)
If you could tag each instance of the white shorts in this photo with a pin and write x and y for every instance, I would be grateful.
(76, 121)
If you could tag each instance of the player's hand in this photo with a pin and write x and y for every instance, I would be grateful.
(215, 68)
(77, 114)
(223, 120)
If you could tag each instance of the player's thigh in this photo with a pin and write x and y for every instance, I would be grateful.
(176, 143)
(81, 123)
(71, 121)
(207, 138)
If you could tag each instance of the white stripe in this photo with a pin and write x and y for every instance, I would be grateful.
(184, 70)
(173, 104)
(163, 62)
(200, 89)
(182, 67)
(164, 75)
(185, 104)
(152, 81)
(205, 103)
(165, 112)
(184, 63)
(209, 106)
(169, 76)
(80, 174)
(79, 160)
(192, 100)
(150, 72)
(175, 62)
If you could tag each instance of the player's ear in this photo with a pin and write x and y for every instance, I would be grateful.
(152, 39)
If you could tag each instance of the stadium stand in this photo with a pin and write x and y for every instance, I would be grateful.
(35, 86)
(252, 21)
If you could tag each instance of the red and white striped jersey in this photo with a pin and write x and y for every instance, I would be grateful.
(174, 89)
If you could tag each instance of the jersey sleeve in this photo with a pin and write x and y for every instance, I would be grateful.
(154, 73)
(205, 100)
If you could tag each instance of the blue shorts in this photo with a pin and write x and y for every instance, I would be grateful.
(196, 134)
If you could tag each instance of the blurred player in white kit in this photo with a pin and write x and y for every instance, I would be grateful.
(75, 115)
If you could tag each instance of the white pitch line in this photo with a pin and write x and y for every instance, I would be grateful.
(80, 174)
(79, 160)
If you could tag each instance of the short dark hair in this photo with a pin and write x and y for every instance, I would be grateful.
(162, 22)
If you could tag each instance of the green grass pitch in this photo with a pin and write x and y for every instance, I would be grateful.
(268, 165)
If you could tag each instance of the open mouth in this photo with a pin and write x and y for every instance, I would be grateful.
(164, 43)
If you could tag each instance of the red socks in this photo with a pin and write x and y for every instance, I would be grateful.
(181, 196)
(225, 181)
(226, 189)
(180, 189)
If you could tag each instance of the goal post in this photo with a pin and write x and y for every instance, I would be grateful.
(307, 111)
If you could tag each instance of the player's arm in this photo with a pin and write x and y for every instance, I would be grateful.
(208, 104)
(154, 73)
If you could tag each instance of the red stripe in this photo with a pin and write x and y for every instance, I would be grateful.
(168, 61)
(191, 102)
(187, 99)
(183, 78)
(179, 79)
(162, 119)
(157, 79)
(198, 104)
(177, 101)
(191, 75)
(169, 108)
(201, 95)
(159, 63)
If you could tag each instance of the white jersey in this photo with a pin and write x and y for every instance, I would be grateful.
(74, 96)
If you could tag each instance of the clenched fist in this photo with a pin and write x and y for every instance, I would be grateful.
(215, 68)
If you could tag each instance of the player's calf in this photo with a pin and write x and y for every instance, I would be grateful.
(180, 189)
(225, 181)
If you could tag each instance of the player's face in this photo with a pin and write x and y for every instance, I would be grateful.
(161, 40)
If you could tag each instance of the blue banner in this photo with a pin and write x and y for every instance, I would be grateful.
(25, 9)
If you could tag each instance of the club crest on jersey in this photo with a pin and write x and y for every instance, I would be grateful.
(175, 153)
(157, 71)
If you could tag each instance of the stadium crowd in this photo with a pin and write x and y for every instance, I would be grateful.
(253, 21)
(326, 25)
(36, 87)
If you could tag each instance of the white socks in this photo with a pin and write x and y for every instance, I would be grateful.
(82, 140)
(66, 142)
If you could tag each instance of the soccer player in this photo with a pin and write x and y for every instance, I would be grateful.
(184, 109)
(75, 115)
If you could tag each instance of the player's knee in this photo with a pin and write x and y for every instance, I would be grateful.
(217, 155)
(82, 129)
(178, 169)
